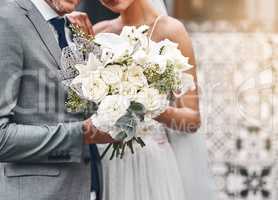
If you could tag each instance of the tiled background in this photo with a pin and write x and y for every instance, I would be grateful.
(238, 75)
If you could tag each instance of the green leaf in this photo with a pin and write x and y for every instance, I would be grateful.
(113, 153)
(161, 50)
(123, 150)
(118, 152)
(140, 142)
(130, 145)
(74, 103)
(138, 109)
(128, 124)
(105, 151)
(121, 136)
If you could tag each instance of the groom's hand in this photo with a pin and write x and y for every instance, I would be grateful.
(94, 136)
(81, 20)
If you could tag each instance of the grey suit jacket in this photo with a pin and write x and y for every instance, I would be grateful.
(42, 155)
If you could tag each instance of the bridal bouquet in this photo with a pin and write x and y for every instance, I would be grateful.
(128, 78)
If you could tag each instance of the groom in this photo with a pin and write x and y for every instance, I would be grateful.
(44, 150)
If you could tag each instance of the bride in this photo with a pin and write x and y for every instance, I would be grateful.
(152, 173)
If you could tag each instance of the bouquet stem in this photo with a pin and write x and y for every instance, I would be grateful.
(119, 148)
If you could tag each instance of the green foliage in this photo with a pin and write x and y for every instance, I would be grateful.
(161, 51)
(125, 60)
(137, 109)
(79, 33)
(151, 74)
(166, 82)
(75, 104)
(128, 125)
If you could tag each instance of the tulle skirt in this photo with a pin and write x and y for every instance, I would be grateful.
(149, 174)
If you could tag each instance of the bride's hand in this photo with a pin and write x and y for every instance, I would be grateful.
(81, 20)
(181, 119)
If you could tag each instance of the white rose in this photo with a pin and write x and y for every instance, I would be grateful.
(135, 75)
(154, 103)
(94, 89)
(140, 57)
(112, 74)
(103, 123)
(113, 107)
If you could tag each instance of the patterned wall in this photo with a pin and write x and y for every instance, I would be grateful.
(239, 103)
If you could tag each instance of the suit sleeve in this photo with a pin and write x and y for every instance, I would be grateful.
(24, 143)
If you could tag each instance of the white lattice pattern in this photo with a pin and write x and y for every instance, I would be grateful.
(239, 103)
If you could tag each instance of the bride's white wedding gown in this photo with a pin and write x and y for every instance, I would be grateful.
(161, 171)
(150, 174)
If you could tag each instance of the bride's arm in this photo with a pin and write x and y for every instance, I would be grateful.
(184, 114)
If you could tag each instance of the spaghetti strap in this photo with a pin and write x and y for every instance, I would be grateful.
(154, 26)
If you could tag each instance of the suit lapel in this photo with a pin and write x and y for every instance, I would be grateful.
(43, 29)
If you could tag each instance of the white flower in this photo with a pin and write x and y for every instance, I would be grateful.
(135, 36)
(94, 89)
(93, 62)
(128, 32)
(178, 60)
(90, 69)
(135, 75)
(85, 70)
(160, 61)
(140, 57)
(104, 124)
(84, 77)
(112, 74)
(112, 108)
(107, 55)
(187, 84)
(143, 40)
(113, 46)
(143, 29)
(168, 44)
(154, 103)
(170, 51)
(128, 89)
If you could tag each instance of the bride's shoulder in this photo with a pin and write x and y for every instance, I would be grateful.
(171, 28)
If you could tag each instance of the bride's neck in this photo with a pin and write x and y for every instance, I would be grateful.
(138, 13)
